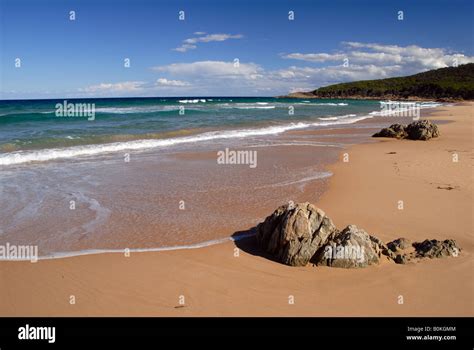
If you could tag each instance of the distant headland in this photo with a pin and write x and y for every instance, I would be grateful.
(444, 84)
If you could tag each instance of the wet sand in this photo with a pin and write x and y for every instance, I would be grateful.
(223, 280)
(162, 197)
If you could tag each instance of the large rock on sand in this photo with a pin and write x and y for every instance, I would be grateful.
(422, 130)
(296, 234)
(350, 248)
(419, 130)
(293, 233)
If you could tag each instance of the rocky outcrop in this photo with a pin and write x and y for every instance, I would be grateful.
(293, 233)
(422, 130)
(419, 130)
(296, 234)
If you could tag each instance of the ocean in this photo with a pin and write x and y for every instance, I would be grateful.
(31, 130)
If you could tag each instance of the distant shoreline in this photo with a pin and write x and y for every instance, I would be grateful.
(310, 95)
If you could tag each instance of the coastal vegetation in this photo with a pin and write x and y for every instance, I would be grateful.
(451, 83)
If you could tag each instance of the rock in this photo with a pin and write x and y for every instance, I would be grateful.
(381, 248)
(436, 249)
(419, 130)
(401, 259)
(422, 130)
(394, 130)
(350, 248)
(399, 244)
(294, 232)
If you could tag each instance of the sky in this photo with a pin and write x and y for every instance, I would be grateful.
(221, 48)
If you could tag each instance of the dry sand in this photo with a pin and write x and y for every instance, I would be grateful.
(364, 191)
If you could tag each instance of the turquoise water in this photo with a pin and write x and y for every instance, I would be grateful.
(141, 123)
(33, 131)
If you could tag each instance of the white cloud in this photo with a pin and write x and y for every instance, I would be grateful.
(334, 74)
(212, 69)
(126, 86)
(166, 82)
(417, 57)
(212, 37)
(202, 37)
(185, 47)
(221, 77)
(159, 87)
(315, 57)
(411, 59)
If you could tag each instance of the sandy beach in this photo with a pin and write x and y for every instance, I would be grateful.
(235, 279)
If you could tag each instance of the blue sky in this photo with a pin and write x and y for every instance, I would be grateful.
(327, 42)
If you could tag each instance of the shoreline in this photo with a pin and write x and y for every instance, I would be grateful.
(309, 95)
(215, 282)
(86, 252)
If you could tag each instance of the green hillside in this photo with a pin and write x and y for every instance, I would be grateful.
(444, 83)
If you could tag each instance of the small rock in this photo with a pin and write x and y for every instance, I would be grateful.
(401, 259)
(381, 248)
(399, 244)
(436, 249)
(449, 188)
(350, 248)
(394, 130)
